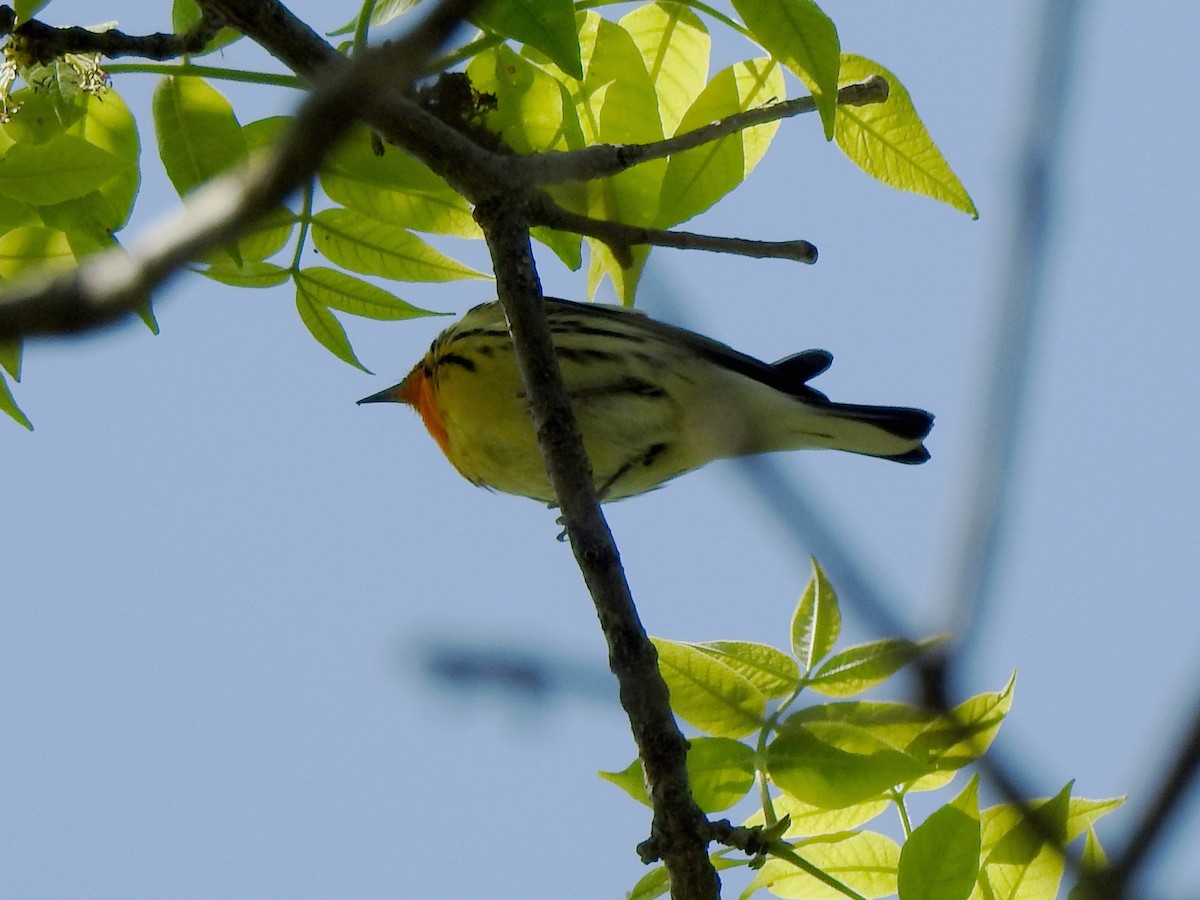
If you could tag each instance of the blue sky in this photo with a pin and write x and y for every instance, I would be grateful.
(220, 572)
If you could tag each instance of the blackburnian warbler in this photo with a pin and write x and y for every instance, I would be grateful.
(652, 401)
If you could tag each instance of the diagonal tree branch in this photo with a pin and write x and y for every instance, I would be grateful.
(39, 42)
(680, 831)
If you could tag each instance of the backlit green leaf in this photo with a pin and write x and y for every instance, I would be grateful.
(185, 14)
(9, 407)
(772, 671)
(856, 669)
(940, 859)
(1019, 863)
(394, 188)
(34, 247)
(631, 779)
(707, 693)
(533, 112)
(328, 331)
(198, 134)
(337, 290)
(864, 861)
(720, 771)
(803, 38)
(834, 764)
(806, 820)
(252, 274)
(10, 358)
(888, 141)
(698, 178)
(951, 742)
(675, 47)
(548, 25)
(816, 621)
(376, 248)
(61, 169)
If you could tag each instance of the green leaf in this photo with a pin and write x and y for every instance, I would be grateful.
(145, 312)
(376, 248)
(834, 764)
(631, 779)
(15, 213)
(198, 134)
(27, 9)
(863, 861)
(720, 771)
(707, 693)
(267, 236)
(806, 820)
(859, 668)
(252, 274)
(657, 882)
(1019, 863)
(10, 358)
(602, 263)
(394, 188)
(652, 885)
(622, 108)
(9, 407)
(567, 247)
(772, 671)
(34, 247)
(953, 742)
(110, 125)
(548, 25)
(43, 117)
(340, 291)
(888, 141)
(328, 331)
(1083, 813)
(940, 859)
(816, 621)
(898, 724)
(185, 14)
(698, 178)
(1093, 877)
(383, 12)
(533, 111)
(62, 168)
(803, 38)
(675, 48)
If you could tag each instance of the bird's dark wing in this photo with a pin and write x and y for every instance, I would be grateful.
(788, 375)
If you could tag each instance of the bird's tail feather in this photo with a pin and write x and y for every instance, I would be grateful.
(887, 431)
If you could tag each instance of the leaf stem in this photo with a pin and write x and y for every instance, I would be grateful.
(784, 851)
(305, 221)
(897, 798)
(187, 68)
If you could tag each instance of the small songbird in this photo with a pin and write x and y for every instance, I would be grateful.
(652, 401)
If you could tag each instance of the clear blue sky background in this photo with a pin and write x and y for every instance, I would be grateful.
(219, 572)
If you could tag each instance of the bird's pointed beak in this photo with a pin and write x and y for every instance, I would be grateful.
(387, 395)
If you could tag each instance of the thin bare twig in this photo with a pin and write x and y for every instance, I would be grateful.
(601, 160)
(620, 237)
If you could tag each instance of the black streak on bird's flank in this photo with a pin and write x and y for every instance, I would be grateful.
(635, 386)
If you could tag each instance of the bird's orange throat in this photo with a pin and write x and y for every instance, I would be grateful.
(417, 391)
